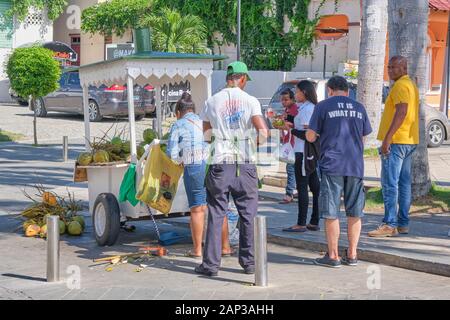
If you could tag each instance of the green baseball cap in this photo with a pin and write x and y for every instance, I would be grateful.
(238, 67)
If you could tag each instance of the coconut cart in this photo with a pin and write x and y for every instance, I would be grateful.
(143, 68)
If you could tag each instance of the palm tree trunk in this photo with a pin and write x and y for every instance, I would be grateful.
(408, 36)
(371, 61)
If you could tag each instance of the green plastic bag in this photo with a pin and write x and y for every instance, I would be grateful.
(128, 186)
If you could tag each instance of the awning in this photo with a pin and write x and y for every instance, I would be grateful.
(141, 66)
(61, 50)
(157, 68)
(332, 27)
(440, 4)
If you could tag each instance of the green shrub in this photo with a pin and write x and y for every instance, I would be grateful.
(33, 73)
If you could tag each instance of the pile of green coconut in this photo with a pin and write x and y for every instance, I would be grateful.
(149, 135)
(46, 203)
(116, 149)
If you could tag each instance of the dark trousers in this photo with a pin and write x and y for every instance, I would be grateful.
(303, 182)
(221, 182)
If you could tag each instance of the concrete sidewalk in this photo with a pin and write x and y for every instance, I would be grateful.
(292, 274)
(425, 249)
(438, 159)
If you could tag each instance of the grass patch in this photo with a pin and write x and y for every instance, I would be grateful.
(374, 198)
(437, 201)
(6, 136)
(441, 196)
(371, 152)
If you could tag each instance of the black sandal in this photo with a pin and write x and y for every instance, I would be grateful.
(313, 227)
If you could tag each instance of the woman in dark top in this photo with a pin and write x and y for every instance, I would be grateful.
(307, 99)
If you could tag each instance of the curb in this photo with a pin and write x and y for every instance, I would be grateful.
(369, 256)
(274, 181)
(366, 255)
(280, 182)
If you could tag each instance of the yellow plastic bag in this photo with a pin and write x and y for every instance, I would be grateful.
(160, 181)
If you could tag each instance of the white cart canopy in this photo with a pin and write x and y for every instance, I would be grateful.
(154, 68)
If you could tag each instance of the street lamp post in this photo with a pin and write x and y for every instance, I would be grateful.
(238, 30)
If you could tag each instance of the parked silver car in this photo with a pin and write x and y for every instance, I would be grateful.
(437, 124)
(104, 101)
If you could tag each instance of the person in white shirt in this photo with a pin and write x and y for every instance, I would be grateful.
(230, 118)
(306, 97)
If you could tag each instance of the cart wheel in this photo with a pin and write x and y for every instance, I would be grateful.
(106, 219)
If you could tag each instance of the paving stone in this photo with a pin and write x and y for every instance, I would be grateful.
(198, 295)
(122, 293)
(291, 272)
(145, 293)
(91, 294)
(171, 294)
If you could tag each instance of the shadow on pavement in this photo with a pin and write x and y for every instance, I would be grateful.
(14, 153)
(23, 277)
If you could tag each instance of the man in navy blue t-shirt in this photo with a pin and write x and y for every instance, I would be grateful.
(341, 123)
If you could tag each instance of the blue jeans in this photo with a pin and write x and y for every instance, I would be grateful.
(291, 184)
(396, 184)
(194, 183)
(331, 189)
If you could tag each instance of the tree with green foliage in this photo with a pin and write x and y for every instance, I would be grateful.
(172, 32)
(115, 16)
(268, 44)
(33, 73)
(21, 8)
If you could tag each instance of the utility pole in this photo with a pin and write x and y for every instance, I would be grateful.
(238, 30)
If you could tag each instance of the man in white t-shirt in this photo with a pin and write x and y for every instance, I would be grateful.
(230, 118)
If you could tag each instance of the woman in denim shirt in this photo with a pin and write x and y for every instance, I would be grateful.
(186, 145)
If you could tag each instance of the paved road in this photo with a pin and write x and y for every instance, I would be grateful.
(438, 160)
(292, 274)
(19, 119)
(22, 166)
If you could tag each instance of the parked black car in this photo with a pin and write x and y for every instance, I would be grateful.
(104, 101)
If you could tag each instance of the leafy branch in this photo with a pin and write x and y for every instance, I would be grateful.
(21, 8)
(268, 42)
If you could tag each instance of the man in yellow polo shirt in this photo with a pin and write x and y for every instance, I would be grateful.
(399, 131)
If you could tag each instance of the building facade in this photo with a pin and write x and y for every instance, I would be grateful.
(335, 50)
(345, 48)
(36, 27)
(90, 47)
(338, 40)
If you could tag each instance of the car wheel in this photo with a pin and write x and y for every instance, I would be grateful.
(94, 112)
(39, 108)
(106, 219)
(436, 134)
(139, 117)
(151, 114)
(23, 102)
